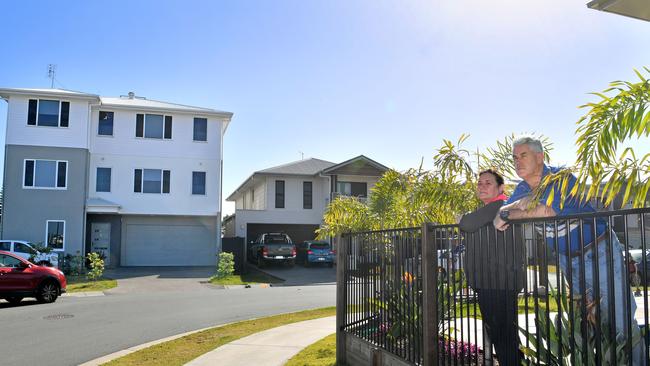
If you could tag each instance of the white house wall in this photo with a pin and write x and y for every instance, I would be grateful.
(293, 193)
(19, 133)
(180, 200)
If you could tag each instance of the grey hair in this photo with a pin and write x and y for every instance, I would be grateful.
(533, 143)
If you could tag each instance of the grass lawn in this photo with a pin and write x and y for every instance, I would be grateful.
(251, 277)
(82, 284)
(184, 349)
(321, 353)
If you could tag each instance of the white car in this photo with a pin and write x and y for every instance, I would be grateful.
(26, 250)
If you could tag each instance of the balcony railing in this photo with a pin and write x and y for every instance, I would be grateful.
(334, 195)
(410, 295)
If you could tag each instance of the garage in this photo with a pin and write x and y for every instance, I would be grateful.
(169, 242)
(297, 233)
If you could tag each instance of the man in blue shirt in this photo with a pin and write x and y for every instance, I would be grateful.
(572, 238)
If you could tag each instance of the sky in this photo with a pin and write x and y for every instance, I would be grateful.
(335, 79)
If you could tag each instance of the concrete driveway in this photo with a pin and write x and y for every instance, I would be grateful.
(159, 279)
(301, 276)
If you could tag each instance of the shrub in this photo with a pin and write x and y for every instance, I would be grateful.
(96, 266)
(73, 265)
(226, 265)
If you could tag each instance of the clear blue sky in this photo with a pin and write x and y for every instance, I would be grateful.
(335, 79)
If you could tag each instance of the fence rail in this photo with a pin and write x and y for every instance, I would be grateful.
(561, 290)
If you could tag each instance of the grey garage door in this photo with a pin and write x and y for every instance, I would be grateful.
(165, 245)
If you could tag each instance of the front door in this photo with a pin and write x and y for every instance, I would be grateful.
(101, 240)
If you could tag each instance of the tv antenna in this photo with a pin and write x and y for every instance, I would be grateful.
(302, 155)
(51, 71)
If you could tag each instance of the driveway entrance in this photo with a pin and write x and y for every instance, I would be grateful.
(159, 279)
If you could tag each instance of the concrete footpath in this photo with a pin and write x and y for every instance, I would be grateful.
(272, 347)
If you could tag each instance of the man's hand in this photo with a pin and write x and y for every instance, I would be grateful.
(500, 224)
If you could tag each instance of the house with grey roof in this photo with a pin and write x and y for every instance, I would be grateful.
(135, 179)
(292, 197)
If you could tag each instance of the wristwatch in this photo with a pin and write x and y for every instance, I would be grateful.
(504, 215)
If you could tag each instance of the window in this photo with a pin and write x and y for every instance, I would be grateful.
(153, 126)
(306, 195)
(357, 189)
(279, 194)
(22, 248)
(48, 113)
(105, 126)
(103, 183)
(198, 182)
(200, 129)
(9, 261)
(5, 245)
(55, 235)
(151, 181)
(45, 174)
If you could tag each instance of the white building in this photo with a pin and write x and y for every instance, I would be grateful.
(136, 179)
(292, 198)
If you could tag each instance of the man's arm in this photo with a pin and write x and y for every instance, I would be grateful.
(519, 210)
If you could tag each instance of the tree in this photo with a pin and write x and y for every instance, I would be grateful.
(622, 113)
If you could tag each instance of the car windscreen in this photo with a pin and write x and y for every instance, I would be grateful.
(319, 246)
(276, 239)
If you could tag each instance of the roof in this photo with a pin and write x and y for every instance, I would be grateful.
(141, 103)
(311, 166)
(5, 92)
(360, 158)
(639, 9)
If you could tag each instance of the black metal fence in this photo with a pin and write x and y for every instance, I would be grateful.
(556, 291)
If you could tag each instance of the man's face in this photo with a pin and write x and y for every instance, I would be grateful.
(528, 163)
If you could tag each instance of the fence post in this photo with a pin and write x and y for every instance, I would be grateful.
(429, 297)
(341, 297)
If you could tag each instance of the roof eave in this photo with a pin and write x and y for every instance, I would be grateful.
(220, 114)
(7, 92)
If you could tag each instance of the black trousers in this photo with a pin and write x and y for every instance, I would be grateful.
(499, 311)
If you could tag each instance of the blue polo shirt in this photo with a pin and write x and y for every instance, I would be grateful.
(572, 205)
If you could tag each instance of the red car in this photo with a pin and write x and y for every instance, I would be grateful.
(20, 278)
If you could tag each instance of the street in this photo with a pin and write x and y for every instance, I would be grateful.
(77, 329)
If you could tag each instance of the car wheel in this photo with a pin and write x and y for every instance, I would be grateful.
(14, 300)
(48, 292)
(290, 264)
(260, 262)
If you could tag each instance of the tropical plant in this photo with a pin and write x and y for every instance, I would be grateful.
(550, 343)
(226, 265)
(623, 113)
(96, 266)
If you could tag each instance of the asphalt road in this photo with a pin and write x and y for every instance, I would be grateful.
(78, 329)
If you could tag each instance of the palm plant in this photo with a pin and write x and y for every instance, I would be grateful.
(623, 113)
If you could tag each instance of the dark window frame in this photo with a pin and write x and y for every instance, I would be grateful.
(100, 120)
(307, 195)
(104, 188)
(34, 113)
(138, 181)
(47, 235)
(279, 193)
(195, 188)
(141, 126)
(60, 174)
(200, 133)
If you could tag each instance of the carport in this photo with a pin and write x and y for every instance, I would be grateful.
(297, 232)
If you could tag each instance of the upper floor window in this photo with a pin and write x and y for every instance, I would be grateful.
(49, 113)
(357, 189)
(105, 125)
(103, 183)
(153, 126)
(45, 174)
(198, 183)
(307, 195)
(200, 129)
(151, 181)
(279, 194)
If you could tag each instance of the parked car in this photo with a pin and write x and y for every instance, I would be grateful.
(27, 250)
(640, 273)
(20, 278)
(272, 248)
(312, 251)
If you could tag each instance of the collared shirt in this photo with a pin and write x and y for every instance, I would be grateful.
(572, 205)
